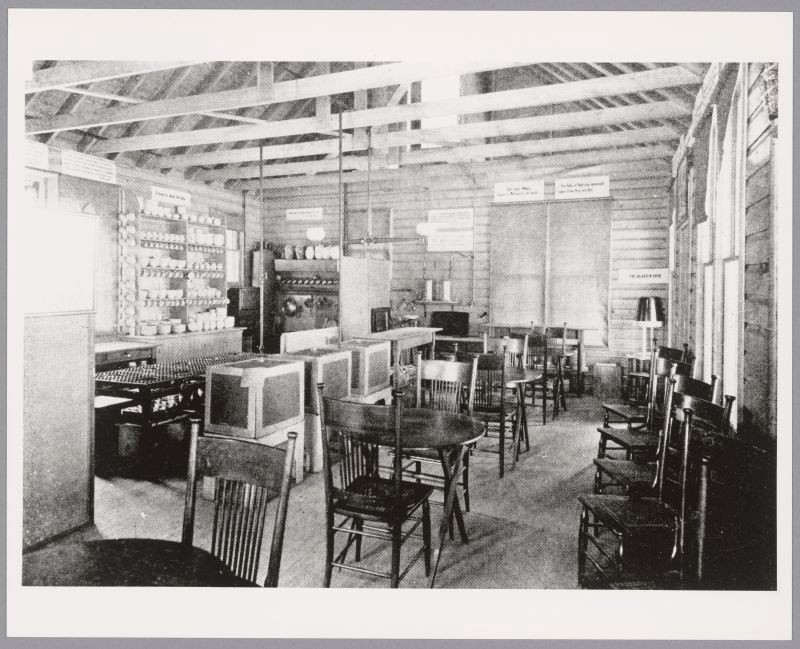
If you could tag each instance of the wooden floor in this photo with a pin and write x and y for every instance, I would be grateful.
(523, 528)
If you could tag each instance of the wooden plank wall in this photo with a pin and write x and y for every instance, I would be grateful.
(638, 237)
(759, 389)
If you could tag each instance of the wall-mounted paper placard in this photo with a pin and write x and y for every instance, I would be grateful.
(170, 196)
(519, 191)
(450, 230)
(304, 214)
(644, 275)
(588, 187)
(87, 166)
(37, 155)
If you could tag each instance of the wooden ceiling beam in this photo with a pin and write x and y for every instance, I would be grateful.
(459, 154)
(303, 88)
(528, 166)
(450, 134)
(85, 72)
(464, 105)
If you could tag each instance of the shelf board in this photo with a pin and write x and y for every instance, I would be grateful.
(447, 302)
(306, 265)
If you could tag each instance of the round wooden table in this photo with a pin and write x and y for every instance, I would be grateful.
(126, 562)
(449, 435)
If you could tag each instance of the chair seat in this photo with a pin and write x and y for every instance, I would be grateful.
(626, 472)
(373, 497)
(630, 439)
(627, 412)
(630, 515)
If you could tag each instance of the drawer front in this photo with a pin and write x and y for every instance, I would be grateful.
(123, 355)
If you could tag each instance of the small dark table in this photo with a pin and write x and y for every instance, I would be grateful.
(449, 435)
(519, 377)
(126, 562)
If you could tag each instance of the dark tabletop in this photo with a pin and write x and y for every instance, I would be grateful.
(125, 562)
(521, 375)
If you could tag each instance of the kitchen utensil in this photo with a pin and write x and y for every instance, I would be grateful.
(179, 328)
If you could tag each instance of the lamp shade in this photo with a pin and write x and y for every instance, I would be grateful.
(649, 310)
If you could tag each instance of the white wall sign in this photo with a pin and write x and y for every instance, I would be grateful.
(520, 191)
(87, 166)
(588, 187)
(170, 196)
(37, 155)
(304, 214)
(450, 230)
(644, 275)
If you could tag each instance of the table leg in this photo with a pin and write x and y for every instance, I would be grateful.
(524, 415)
(454, 478)
(450, 503)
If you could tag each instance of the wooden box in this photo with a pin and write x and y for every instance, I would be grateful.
(328, 365)
(255, 397)
(371, 365)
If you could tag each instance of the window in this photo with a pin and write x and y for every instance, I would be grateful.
(437, 90)
(233, 256)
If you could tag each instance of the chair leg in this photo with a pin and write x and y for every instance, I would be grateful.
(396, 542)
(418, 469)
(426, 536)
(502, 445)
(598, 481)
(360, 527)
(601, 446)
(583, 545)
(563, 398)
(326, 581)
(544, 403)
(465, 481)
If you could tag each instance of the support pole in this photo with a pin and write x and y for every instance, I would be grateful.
(261, 217)
(341, 225)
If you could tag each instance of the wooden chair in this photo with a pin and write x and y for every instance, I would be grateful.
(247, 476)
(373, 506)
(634, 413)
(632, 476)
(447, 386)
(490, 403)
(649, 535)
(542, 356)
(643, 441)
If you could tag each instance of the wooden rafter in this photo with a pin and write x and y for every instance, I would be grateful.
(468, 104)
(444, 135)
(538, 147)
(304, 88)
(85, 72)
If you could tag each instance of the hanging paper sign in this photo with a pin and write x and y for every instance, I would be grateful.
(89, 167)
(170, 196)
(521, 191)
(37, 155)
(589, 187)
(644, 275)
(304, 214)
(450, 230)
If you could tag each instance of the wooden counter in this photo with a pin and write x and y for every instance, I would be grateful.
(407, 338)
(173, 347)
(114, 354)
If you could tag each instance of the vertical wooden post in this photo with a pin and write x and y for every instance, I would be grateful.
(263, 226)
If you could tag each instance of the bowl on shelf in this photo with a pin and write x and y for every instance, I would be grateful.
(164, 328)
(230, 321)
(181, 263)
(194, 326)
(179, 328)
(147, 330)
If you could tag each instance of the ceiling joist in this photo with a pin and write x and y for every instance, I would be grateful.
(463, 105)
(261, 94)
(446, 135)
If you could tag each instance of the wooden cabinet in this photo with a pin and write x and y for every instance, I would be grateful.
(364, 286)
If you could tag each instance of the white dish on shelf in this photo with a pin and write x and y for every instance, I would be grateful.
(179, 328)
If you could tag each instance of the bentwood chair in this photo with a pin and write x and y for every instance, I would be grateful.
(633, 476)
(447, 386)
(642, 441)
(542, 355)
(368, 504)
(640, 540)
(247, 476)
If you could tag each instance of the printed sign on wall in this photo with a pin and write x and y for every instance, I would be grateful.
(450, 230)
(644, 275)
(37, 155)
(170, 196)
(304, 214)
(87, 166)
(519, 191)
(588, 187)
